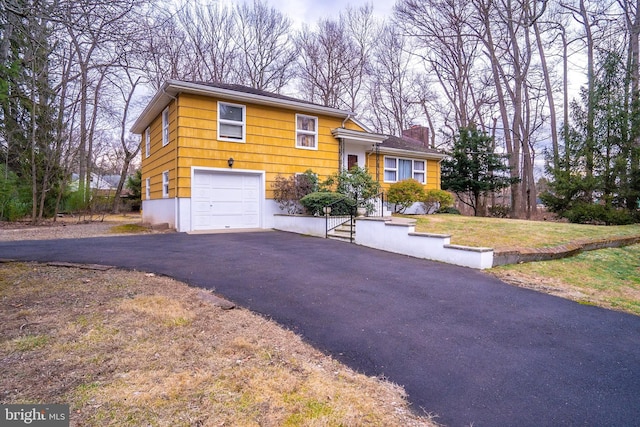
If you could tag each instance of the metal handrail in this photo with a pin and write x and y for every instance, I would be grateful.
(335, 221)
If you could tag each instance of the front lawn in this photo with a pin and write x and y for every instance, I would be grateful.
(502, 234)
(608, 278)
(133, 349)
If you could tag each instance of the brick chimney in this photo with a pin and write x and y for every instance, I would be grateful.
(419, 133)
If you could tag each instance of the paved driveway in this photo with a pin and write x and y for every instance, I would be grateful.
(464, 345)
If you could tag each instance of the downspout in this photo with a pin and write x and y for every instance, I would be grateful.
(341, 146)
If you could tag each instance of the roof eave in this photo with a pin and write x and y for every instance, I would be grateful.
(414, 153)
(171, 88)
(355, 135)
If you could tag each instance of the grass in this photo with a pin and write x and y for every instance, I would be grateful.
(502, 234)
(130, 349)
(129, 229)
(607, 278)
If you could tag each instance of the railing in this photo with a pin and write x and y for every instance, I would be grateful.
(335, 221)
(374, 208)
(375, 205)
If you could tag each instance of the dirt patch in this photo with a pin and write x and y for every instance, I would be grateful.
(542, 284)
(129, 348)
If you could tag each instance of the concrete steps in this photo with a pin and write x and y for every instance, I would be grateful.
(342, 232)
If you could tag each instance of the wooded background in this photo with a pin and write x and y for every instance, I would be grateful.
(75, 73)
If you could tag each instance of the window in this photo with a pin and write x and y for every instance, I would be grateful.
(165, 126)
(147, 142)
(165, 184)
(396, 169)
(306, 132)
(147, 188)
(231, 122)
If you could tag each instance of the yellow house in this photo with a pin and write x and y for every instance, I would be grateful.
(210, 153)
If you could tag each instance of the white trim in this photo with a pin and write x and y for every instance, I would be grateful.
(165, 126)
(413, 169)
(147, 142)
(398, 152)
(242, 124)
(147, 189)
(165, 184)
(358, 136)
(313, 133)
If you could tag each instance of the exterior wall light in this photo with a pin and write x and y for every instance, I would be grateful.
(230, 162)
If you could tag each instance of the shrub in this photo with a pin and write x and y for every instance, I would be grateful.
(449, 210)
(499, 211)
(355, 183)
(405, 193)
(340, 204)
(589, 213)
(437, 199)
(287, 192)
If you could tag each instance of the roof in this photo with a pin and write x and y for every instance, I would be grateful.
(231, 92)
(395, 144)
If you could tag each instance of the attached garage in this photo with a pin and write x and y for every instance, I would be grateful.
(226, 200)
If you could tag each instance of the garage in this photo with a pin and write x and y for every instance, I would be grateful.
(225, 200)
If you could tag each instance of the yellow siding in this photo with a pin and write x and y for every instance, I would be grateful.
(161, 158)
(433, 172)
(352, 126)
(269, 143)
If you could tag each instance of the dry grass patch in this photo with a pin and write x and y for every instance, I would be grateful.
(608, 277)
(125, 348)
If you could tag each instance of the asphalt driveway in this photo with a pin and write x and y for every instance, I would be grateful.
(465, 346)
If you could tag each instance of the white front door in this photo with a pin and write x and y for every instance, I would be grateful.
(225, 200)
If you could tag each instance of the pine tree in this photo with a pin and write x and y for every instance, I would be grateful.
(474, 169)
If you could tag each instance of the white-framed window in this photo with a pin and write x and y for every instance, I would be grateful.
(306, 132)
(147, 188)
(165, 184)
(398, 169)
(165, 126)
(147, 142)
(231, 122)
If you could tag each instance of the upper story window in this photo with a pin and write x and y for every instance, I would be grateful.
(397, 169)
(147, 188)
(165, 126)
(147, 142)
(306, 132)
(231, 122)
(165, 184)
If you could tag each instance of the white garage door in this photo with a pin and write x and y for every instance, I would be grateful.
(222, 200)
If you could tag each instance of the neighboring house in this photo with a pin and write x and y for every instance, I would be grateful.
(211, 152)
(97, 182)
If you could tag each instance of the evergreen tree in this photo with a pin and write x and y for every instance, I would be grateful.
(610, 157)
(474, 169)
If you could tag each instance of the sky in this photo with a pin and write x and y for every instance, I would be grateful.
(309, 11)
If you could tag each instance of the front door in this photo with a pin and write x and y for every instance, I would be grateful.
(352, 160)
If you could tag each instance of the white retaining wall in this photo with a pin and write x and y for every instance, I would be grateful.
(302, 224)
(399, 236)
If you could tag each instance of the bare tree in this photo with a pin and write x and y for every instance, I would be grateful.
(446, 44)
(392, 84)
(210, 30)
(267, 53)
(333, 64)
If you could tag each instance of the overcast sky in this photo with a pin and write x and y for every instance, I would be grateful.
(309, 11)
